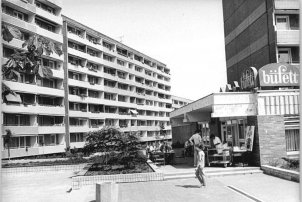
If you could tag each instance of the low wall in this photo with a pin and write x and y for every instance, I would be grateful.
(82, 180)
(22, 170)
(281, 173)
(79, 181)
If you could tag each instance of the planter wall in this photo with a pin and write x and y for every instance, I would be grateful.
(281, 173)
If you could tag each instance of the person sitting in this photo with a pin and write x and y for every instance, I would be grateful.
(216, 143)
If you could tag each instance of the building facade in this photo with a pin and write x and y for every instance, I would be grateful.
(258, 33)
(272, 115)
(97, 82)
(178, 102)
(258, 113)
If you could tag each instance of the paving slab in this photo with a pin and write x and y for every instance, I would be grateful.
(56, 187)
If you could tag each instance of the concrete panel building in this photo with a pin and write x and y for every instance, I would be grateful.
(260, 32)
(178, 102)
(97, 82)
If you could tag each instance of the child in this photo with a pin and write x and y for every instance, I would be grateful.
(200, 165)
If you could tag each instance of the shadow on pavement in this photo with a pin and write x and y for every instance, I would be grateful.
(188, 186)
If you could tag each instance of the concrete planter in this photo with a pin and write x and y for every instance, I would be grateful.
(22, 170)
(82, 180)
(281, 173)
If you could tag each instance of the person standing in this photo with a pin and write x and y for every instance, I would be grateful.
(200, 165)
(196, 140)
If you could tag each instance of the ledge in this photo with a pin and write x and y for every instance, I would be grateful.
(22, 170)
(281, 173)
(80, 180)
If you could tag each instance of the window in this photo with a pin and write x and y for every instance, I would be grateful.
(76, 137)
(16, 120)
(282, 22)
(292, 140)
(120, 62)
(284, 55)
(18, 15)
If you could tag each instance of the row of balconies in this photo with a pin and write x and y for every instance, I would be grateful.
(104, 115)
(116, 103)
(78, 68)
(35, 130)
(31, 27)
(98, 87)
(98, 46)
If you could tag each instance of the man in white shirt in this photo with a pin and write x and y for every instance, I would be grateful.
(196, 140)
(216, 143)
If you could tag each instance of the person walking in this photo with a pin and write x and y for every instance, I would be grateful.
(199, 172)
(196, 140)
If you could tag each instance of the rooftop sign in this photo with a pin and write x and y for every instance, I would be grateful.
(248, 79)
(279, 74)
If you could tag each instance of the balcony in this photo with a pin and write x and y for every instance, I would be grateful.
(25, 6)
(77, 144)
(16, 43)
(52, 149)
(288, 37)
(85, 84)
(34, 109)
(287, 4)
(22, 130)
(51, 35)
(20, 152)
(49, 16)
(60, 128)
(58, 73)
(79, 129)
(19, 23)
(58, 3)
(74, 113)
(84, 70)
(84, 41)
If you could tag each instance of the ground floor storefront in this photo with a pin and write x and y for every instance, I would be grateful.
(262, 125)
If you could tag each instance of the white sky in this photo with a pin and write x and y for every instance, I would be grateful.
(186, 35)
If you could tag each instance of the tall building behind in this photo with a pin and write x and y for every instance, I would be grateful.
(178, 102)
(111, 84)
(260, 32)
(97, 82)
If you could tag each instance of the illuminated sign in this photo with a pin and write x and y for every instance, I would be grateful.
(279, 74)
(248, 79)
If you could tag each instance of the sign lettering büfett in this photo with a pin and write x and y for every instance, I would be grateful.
(279, 74)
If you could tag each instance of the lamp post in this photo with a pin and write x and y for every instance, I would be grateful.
(300, 100)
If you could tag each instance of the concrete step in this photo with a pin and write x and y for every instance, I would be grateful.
(170, 176)
(221, 170)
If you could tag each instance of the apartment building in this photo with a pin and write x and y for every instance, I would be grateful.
(36, 116)
(178, 102)
(97, 82)
(260, 32)
(111, 84)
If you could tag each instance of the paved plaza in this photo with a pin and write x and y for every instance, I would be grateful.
(56, 186)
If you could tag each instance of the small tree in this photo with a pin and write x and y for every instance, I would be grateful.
(7, 138)
(111, 141)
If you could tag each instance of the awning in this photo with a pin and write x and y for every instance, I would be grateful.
(13, 98)
(133, 111)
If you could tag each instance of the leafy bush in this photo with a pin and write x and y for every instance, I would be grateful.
(115, 146)
(291, 164)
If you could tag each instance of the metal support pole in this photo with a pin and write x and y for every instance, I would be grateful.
(300, 100)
